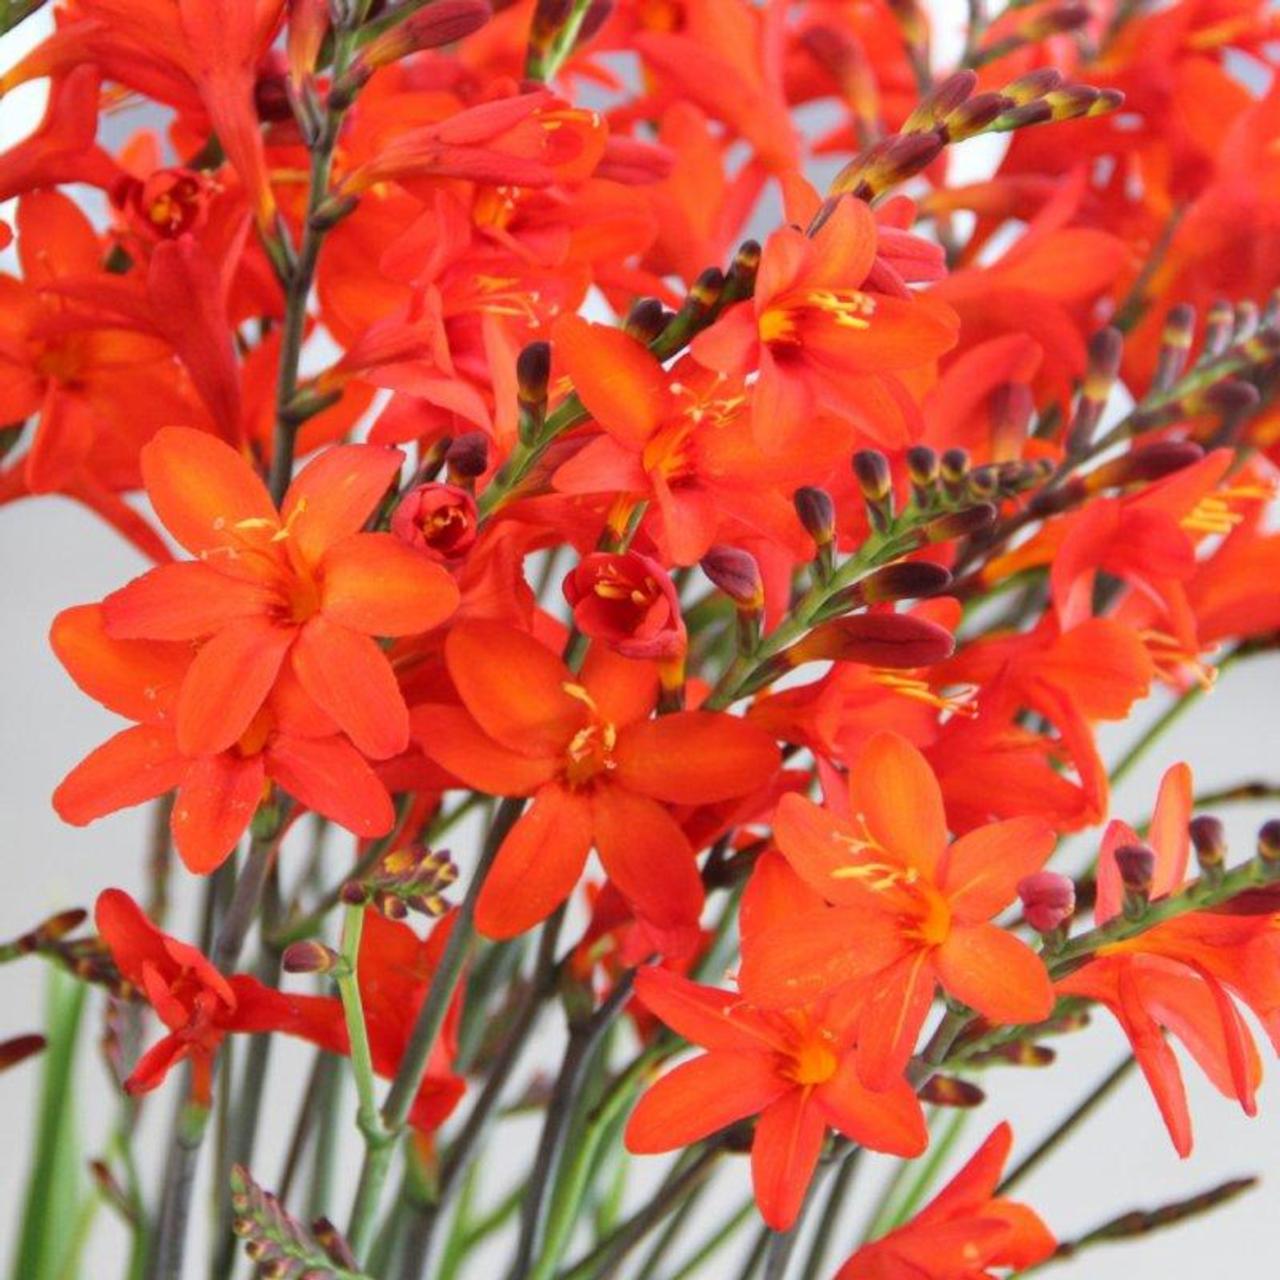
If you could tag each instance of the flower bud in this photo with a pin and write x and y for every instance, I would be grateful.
(905, 580)
(741, 280)
(1048, 900)
(1219, 329)
(922, 469)
(895, 640)
(438, 520)
(955, 471)
(310, 957)
(960, 524)
(533, 373)
(1105, 350)
(1210, 842)
(1175, 342)
(951, 1091)
(1144, 464)
(817, 513)
(1269, 846)
(871, 470)
(737, 574)
(1136, 864)
(646, 320)
(628, 601)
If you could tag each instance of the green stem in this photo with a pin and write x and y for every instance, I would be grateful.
(717, 1240)
(841, 1185)
(1078, 1114)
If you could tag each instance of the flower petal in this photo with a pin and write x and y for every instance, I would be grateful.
(695, 757)
(372, 582)
(897, 1005)
(335, 493)
(893, 787)
(784, 1154)
(351, 679)
(450, 737)
(182, 601)
(701, 1097)
(136, 765)
(996, 973)
(214, 805)
(889, 1120)
(979, 873)
(647, 856)
(538, 865)
(705, 1016)
(331, 778)
(227, 684)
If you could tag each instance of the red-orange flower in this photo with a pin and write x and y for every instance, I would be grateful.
(302, 584)
(911, 912)
(818, 338)
(289, 741)
(629, 602)
(601, 773)
(197, 1004)
(963, 1232)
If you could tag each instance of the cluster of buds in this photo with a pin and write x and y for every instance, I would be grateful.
(86, 958)
(413, 878)
(953, 112)
(278, 1245)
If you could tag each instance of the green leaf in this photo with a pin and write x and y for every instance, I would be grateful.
(45, 1245)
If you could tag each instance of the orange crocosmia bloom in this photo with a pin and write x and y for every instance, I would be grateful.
(910, 912)
(196, 1003)
(290, 741)
(963, 1232)
(1179, 976)
(302, 585)
(818, 339)
(794, 1067)
(600, 772)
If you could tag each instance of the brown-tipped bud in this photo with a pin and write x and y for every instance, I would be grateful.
(1033, 85)
(1048, 900)
(646, 320)
(699, 305)
(1145, 464)
(1234, 402)
(19, 1049)
(331, 1240)
(960, 524)
(467, 456)
(1031, 113)
(951, 1091)
(1245, 320)
(871, 469)
(533, 372)
(906, 580)
(983, 483)
(817, 512)
(310, 957)
(941, 101)
(1269, 846)
(741, 280)
(55, 928)
(1109, 100)
(1012, 405)
(704, 293)
(354, 894)
(1137, 866)
(1057, 21)
(1209, 839)
(887, 163)
(441, 23)
(1219, 326)
(1175, 342)
(922, 471)
(975, 116)
(737, 574)
(894, 640)
(1106, 348)
(1017, 1053)
(955, 470)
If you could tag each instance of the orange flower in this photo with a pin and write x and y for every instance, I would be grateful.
(910, 911)
(629, 602)
(1180, 975)
(302, 584)
(795, 1068)
(196, 1003)
(600, 772)
(964, 1231)
(290, 741)
(817, 337)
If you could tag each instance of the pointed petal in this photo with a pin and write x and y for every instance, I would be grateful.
(351, 679)
(450, 737)
(538, 865)
(889, 1120)
(621, 383)
(514, 686)
(701, 1097)
(893, 787)
(979, 873)
(372, 582)
(202, 489)
(136, 765)
(897, 1005)
(695, 757)
(647, 856)
(705, 1016)
(995, 973)
(330, 777)
(784, 1154)
(214, 805)
(1110, 890)
(138, 679)
(335, 493)
(227, 684)
(1169, 835)
(183, 601)
(798, 960)
(1157, 1062)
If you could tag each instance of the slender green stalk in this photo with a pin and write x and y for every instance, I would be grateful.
(927, 1170)
(716, 1241)
(838, 1193)
(1075, 1117)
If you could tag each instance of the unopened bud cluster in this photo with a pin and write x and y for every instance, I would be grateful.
(413, 878)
